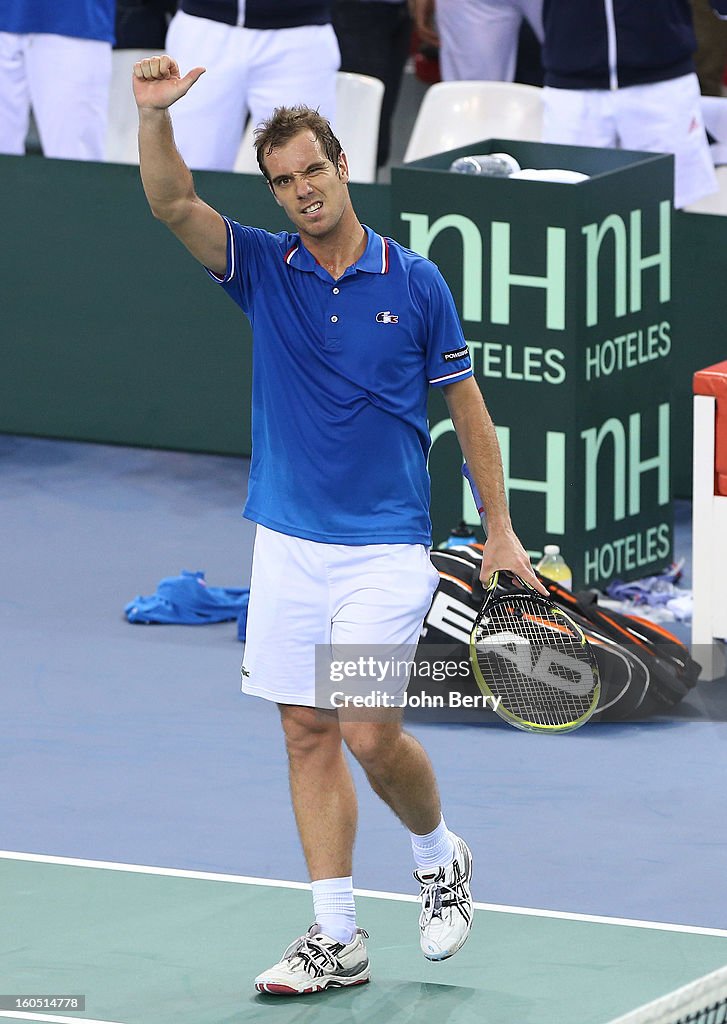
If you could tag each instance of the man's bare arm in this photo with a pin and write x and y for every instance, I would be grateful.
(478, 440)
(166, 178)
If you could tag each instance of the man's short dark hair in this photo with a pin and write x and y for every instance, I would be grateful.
(285, 123)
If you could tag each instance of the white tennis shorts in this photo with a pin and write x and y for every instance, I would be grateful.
(67, 82)
(661, 117)
(305, 594)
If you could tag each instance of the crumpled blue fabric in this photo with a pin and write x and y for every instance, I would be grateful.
(652, 590)
(188, 600)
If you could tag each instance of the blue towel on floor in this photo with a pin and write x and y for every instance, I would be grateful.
(187, 600)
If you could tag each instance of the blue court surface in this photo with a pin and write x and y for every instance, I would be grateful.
(132, 746)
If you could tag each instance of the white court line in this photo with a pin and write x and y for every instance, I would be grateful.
(48, 1017)
(208, 876)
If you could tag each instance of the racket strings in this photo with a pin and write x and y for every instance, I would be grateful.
(534, 662)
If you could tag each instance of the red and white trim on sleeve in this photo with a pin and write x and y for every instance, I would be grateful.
(452, 376)
(291, 253)
(384, 255)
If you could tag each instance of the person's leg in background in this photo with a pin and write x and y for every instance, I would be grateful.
(374, 37)
(478, 39)
(69, 81)
(210, 119)
(293, 65)
(14, 94)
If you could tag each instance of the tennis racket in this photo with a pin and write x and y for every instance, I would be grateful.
(530, 657)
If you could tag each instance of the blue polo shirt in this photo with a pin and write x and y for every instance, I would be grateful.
(341, 371)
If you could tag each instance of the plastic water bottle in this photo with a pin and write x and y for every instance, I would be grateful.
(553, 566)
(460, 536)
(490, 165)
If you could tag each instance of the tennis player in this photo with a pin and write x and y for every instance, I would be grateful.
(350, 329)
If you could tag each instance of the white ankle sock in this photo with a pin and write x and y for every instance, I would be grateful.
(434, 849)
(334, 907)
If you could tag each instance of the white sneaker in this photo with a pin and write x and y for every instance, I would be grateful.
(447, 906)
(315, 962)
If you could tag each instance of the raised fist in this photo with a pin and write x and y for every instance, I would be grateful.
(158, 84)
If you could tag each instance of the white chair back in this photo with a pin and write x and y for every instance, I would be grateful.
(454, 114)
(358, 116)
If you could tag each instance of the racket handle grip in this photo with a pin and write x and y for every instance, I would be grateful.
(476, 495)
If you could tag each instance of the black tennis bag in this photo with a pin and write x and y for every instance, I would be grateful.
(644, 669)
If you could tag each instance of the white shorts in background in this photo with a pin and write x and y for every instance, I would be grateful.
(304, 593)
(662, 117)
(249, 71)
(67, 83)
(479, 38)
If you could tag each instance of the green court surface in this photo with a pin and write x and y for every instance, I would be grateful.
(147, 946)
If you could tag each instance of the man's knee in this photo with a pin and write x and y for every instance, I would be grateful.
(308, 730)
(373, 744)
